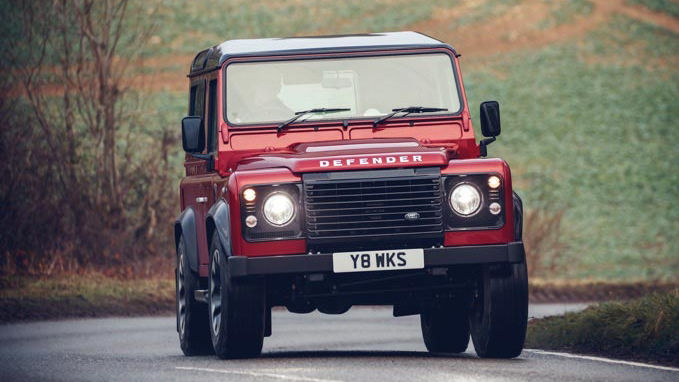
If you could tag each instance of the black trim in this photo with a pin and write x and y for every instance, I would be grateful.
(198, 62)
(186, 225)
(334, 49)
(215, 57)
(264, 231)
(482, 219)
(518, 216)
(371, 174)
(382, 226)
(212, 117)
(349, 54)
(218, 219)
(240, 266)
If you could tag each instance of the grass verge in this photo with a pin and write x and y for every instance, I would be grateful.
(549, 291)
(92, 295)
(644, 329)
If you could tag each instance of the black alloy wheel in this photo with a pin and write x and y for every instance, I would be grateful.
(192, 325)
(237, 309)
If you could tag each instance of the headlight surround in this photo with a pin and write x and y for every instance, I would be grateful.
(465, 199)
(483, 218)
(279, 209)
(268, 217)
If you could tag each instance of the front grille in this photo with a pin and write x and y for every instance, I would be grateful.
(372, 205)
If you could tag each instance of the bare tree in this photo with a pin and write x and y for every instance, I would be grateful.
(71, 59)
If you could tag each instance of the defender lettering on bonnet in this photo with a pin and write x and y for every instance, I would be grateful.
(371, 161)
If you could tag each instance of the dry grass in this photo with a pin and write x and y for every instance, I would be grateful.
(543, 239)
(90, 295)
(60, 263)
(57, 286)
(548, 290)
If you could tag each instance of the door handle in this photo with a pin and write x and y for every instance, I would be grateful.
(201, 199)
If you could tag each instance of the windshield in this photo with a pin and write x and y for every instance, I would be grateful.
(260, 92)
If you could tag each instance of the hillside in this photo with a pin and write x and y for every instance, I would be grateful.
(588, 92)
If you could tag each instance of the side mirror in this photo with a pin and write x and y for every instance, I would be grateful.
(193, 135)
(490, 118)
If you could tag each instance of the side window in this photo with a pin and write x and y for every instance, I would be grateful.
(192, 100)
(197, 100)
(212, 117)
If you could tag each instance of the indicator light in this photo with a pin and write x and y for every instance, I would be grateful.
(493, 182)
(249, 195)
(251, 221)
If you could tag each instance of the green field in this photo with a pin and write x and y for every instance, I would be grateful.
(590, 119)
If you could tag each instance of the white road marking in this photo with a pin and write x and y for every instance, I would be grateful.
(257, 374)
(602, 359)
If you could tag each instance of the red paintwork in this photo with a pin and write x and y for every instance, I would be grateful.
(257, 154)
(447, 132)
(347, 160)
(237, 182)
(496, 236)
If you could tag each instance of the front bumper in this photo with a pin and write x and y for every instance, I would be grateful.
(240, 266)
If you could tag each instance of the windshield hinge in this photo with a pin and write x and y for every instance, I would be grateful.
(466, 120)
(224, 131)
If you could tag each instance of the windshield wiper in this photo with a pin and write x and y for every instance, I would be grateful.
(300, 114)
(406, 111)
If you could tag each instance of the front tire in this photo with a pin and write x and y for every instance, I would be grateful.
(445, 329)
(500, 313)
(236, 309)
(192, 324)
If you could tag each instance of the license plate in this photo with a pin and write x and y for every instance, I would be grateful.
(386, 260)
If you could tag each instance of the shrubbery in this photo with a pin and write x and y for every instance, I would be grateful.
(645, 328)
(83, 181)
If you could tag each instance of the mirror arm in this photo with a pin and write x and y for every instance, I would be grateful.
(201, 156)
(207, 158)
(483, 145)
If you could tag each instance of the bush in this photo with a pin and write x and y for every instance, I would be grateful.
(542, 236)
(84, 180)
(644, 329)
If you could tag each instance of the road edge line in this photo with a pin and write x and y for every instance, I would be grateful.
(602, 359)
(256, 374)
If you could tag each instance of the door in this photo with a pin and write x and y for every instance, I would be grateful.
(195, 187)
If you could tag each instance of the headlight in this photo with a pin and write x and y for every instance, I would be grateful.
(465, 199)
(279, 209)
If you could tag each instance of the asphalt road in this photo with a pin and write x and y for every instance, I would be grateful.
(366, 344)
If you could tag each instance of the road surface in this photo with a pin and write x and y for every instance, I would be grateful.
(366, 344)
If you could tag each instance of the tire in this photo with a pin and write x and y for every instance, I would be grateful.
(499, 316)
(445, 329)
(192, 323)
(237, 309)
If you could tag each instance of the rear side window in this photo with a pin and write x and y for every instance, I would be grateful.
(197, 100)
(212, 117)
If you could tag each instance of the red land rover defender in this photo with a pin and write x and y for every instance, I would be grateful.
(326, 172)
